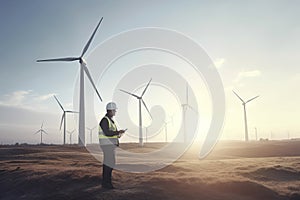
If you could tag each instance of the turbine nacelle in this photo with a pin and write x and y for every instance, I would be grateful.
(82, 61)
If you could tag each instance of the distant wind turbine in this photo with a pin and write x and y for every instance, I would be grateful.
(71, 133)
(271, 135)
(63, 117)
(91, 133)
(166, 127)
(41, 131)
(83, 69)
(256, 133)
(140, 98)
(185, 106)
(245, 114)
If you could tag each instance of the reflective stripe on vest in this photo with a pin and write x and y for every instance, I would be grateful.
(108, 139)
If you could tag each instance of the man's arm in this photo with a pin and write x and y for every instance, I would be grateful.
(104, 125)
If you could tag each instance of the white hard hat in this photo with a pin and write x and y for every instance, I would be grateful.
(111, 106)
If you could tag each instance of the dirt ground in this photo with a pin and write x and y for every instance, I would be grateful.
(234, 170)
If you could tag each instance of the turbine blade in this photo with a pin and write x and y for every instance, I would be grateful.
(146, 87)
(42, 125)
(44, 132)
(62, 119)
(59, 103)
(129, 93)
(252, 99)
(238, 96)
(91, 38)
(37, 132)
(68, 59)
(147, 108)
(91, 80)
(70, 111)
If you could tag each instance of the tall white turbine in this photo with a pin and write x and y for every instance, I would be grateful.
(41, 131)
(64, 117)
(71, 133)
(245, 114)
(83, 69)
(185, 106)
(91, 133)
(140, 98)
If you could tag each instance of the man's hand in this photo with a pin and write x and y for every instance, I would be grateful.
(121, 131)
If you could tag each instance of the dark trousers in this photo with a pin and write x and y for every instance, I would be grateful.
(109, 162)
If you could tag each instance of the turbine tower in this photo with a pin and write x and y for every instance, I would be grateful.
(63, 117)
(185, 107)
(256, 133)
(245, 114)
(91, 133)
(83, 70)
(71, 133)
(146, 131)
(140, 98)
(166, 127)
(41, 131)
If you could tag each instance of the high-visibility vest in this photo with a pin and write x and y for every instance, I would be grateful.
(107, 140)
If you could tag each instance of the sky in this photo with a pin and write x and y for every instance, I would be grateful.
(253, 44)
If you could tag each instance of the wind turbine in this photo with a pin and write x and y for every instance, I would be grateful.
(245, 114)
(166, 127)
(271, 135)
(83, 70)
(185, 106)
(91, 133)
(71, 133)
(256, 133)
(41, 131)
(63, 117)
(140, 98)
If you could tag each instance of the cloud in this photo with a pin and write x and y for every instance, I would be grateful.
(16, 98)
(219, 62)
(69, 105)
(247, 74)
(45, 97)
(26, 99)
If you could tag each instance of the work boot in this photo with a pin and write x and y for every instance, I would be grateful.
(106, 177)
(107, 186)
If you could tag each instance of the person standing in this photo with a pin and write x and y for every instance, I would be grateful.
(109, 139)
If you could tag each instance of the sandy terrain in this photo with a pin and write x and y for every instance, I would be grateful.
(234, 170)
